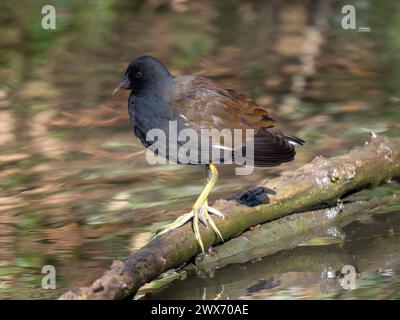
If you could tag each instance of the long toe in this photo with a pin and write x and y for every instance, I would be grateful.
(216, 212)
(180, 221)
(202, 217)
(212, 224)
(196, 230)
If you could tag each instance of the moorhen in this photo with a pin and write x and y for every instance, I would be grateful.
(157, 98)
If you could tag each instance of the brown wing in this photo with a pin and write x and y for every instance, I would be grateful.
(206, 104)
(202, 103)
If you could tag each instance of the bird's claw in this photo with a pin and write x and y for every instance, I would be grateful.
(198, 213)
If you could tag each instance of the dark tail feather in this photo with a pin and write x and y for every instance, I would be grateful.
(272, 148)
(296, 140)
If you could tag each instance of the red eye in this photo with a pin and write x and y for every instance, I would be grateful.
(138, 75)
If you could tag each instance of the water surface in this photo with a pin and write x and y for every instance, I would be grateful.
(76, 191)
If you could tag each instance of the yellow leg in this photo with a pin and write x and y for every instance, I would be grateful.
(199, 210)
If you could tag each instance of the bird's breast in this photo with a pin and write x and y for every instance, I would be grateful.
(148, 113)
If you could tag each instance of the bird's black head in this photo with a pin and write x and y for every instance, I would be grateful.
(145, 73)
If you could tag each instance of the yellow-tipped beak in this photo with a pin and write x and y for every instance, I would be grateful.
(124, 85)
(116, 90)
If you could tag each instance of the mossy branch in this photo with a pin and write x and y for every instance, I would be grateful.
(292, 230)
(322, 180)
